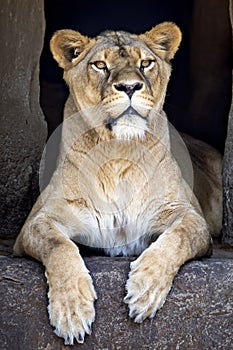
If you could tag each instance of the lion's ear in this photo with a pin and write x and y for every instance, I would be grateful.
(66, 45)
(164, 39)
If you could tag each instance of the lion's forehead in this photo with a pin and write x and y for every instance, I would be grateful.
(117, 55)
(113, 45)
(118, 38)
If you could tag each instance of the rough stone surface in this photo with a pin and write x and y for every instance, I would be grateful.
(198, 313)
(22, 131)
(228, 173)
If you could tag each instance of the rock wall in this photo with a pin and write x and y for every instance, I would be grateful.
(23, 130)
(227, 230)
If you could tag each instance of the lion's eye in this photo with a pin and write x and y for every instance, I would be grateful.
(146, 64)
(100, 65)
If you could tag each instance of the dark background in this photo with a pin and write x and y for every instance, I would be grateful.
(199, 92)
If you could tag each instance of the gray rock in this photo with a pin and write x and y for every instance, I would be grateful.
(227, 230)
(198, 313)
(23, 131)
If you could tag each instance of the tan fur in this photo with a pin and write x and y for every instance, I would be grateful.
(120, 183)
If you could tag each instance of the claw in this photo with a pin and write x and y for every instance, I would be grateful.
(69, 340)
(80, 338)
(153, 314)
(127, 298)
(133, 312)
(139, 318)
(88, 330)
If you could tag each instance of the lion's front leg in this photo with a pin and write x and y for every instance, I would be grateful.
(152, 274)
(71, 294)
(71, 291)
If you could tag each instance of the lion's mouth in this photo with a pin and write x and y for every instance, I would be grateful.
(130, 112)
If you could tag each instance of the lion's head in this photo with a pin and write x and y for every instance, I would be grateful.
(124, 74)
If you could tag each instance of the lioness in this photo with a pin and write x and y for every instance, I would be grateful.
(117, 185)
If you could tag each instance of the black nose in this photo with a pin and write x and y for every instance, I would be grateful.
(129, 89)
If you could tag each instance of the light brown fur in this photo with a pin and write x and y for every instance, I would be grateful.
(119, 183)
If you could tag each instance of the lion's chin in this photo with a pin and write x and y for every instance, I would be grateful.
(129, 128)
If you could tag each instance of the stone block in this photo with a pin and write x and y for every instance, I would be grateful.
(197, 315)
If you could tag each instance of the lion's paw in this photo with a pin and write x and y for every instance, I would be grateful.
(71, 308)
(147, 289)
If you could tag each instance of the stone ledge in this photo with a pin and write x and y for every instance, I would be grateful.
(198, 313)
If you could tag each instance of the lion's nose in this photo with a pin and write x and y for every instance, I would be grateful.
(129, 89)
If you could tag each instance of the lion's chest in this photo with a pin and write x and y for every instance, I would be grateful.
(122, 188)
(122, 201)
